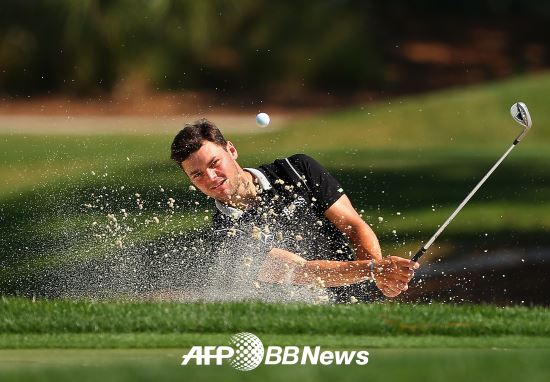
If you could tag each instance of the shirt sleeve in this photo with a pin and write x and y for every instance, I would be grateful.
(322, 185)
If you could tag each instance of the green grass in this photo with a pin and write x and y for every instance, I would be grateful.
(153, 340)
(21, 316)
(384, 364)
(474, 116)
(62, 340)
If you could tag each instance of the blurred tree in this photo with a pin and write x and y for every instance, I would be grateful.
(100, 46)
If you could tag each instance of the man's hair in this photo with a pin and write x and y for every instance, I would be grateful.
(191, 137)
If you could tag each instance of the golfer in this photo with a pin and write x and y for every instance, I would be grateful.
(311, 231)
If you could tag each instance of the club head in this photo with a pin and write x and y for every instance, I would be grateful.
(521, 115)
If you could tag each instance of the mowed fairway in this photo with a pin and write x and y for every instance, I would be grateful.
(385, 364)
(406, 162)
(61, 340)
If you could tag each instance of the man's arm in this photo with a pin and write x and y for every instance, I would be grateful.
(391, 274)
(347, 220)
(282, 266)
(366, 246)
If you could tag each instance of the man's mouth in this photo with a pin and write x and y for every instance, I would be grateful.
(218, 185)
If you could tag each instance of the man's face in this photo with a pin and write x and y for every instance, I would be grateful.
(214, 170)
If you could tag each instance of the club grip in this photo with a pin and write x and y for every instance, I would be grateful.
(419, 254)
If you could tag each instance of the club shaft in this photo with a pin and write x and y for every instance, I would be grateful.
(425, 247)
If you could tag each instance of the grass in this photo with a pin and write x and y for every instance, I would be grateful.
(153, 340)
(384, 365)
(60, 340)
(474, 116)
(22, 316)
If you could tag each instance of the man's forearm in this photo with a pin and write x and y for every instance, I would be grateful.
(333, 273)
(392, 273)
(365, 243)
(286, 267)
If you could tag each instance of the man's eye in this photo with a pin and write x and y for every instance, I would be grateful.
(195, 176)
(215, 162)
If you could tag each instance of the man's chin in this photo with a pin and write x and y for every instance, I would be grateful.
(223, 196)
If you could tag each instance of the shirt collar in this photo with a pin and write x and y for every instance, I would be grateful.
(236, 212)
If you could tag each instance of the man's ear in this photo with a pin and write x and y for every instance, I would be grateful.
(232, 150)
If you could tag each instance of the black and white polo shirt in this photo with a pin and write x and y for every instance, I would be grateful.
(293, 195)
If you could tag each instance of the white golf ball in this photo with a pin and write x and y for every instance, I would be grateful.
(262, 119)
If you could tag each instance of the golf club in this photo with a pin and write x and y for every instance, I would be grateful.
(520, 113)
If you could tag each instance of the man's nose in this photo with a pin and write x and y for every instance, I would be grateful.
(211, 173)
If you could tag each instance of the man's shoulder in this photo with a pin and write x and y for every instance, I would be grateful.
(294, 169)
(297, 160)
(300, 157)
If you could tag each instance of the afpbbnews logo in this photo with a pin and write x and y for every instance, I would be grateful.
(246, 352)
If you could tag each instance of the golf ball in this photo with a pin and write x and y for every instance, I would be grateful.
(262, 119)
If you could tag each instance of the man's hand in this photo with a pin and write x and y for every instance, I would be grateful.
(392, 274)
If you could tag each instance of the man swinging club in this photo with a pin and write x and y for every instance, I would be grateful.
(316, 235)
